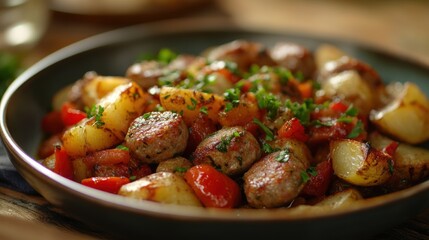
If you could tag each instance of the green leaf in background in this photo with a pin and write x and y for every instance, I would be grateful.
(9, 69)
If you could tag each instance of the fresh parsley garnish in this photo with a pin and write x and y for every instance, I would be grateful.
(97, 113)
(302, 111)
(193, 105)
(233, 96)
(226, 141)
(284, 156)
(181, 169)
(306, 175)
(357, 130)
(269, 136)
(122, 147)
(269, 102)
(204, 110)
(166, 55)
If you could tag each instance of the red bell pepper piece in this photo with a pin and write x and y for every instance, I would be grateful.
(52, 122)
(293, 129)
(391, 148)
(213, 188)
(63, 165)
(338, 106)
(106, 184)
(318, 184)
(70, 115)
(200, 129)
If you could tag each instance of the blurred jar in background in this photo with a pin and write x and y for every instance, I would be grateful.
(22, 24)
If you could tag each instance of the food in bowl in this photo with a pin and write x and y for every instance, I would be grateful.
(243, 125)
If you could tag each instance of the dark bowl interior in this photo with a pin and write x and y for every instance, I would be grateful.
(29, 98)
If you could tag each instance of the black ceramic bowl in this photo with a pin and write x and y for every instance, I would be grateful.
(29, 98)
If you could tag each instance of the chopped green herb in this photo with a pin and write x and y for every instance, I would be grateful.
(204, 110)
(146, 115)
(302, 111)
(316, 85)
(391, 167)
(159, 108)
(299, 76)
(166, 55)
(319, 123)
(305, 175)
(269, 136)
(269, 102)
(133, 178)
(345, 119)
(225, 141)
(352, 111)
(122, 147)
(194, 104)
(268, 149)
(232, 67)
(283, 156)
(181, 169)
(357, 130)
(240, 160)
(169, 78)
(97, 113)
(312, 171)
(228, 106)
(233, 96)
(284, 74)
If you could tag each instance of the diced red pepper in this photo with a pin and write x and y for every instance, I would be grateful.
(63, 165)
(70, 115)
(319, 183)
(52, 122)
(106, 184)
(247, 85)
(229, 75)
(141, 171)
(213, 188)
(305, 89)
(293, 129)
(338, 106)
(391, 148)
(200, 129)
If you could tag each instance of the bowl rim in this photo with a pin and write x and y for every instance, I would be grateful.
(21, 159)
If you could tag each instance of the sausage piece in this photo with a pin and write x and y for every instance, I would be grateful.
(231, 149)
(157, 136)
(276, 179)
(294, 57)
(244, 53)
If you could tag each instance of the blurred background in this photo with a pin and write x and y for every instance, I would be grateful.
(35, 28)
(32, 29)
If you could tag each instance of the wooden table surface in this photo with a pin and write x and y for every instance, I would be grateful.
(399, 26)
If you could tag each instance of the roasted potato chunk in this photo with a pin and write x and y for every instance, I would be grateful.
(349, 85)
(96, 87)
(115, 112)
(190, 102)
(326, 53)
(359, 164)
(163, 187)
(406, 118)
(341, 199)
(411, 163)
(178, 165)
